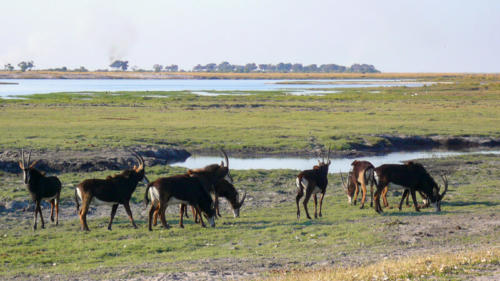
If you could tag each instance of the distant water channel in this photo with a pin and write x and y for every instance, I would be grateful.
(296, 163)
(19, 87)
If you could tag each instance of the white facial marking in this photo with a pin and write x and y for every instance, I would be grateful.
(435, 205)
(236, 212)
(211, 221)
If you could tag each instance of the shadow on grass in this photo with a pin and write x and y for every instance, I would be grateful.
(471, 203)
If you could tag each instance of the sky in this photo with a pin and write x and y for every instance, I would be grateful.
(395, 36)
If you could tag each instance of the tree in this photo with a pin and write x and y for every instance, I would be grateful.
(119, 64)
(8, 67)
(25, 65)
(172, 68)
(297, 67)
(157, 67)
(81, 69)
(250, 67)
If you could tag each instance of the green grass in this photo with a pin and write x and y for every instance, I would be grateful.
(271, 231)
(267, 122)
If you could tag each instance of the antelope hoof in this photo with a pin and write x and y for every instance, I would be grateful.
(320, 215)
(354, 202)
(181, 225)
(362, 206)
(52, 219)
(135, 226)
(34, 227)
(309, 217)
(43, 226)
(109, 228)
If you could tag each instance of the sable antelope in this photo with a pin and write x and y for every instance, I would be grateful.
(349, 188)
(226, 189)
(362, 174)
(113, 190)
(179, 189)
(411, 176)
(312, 182)
(210, 175)
(41, 188)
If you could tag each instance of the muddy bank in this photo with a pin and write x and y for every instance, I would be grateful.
(118, 159)
(88, 161)
(362, 147)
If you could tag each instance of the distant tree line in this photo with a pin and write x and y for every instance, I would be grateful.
(284, 68)
(225, 66)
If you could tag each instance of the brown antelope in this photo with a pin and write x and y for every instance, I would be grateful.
(224, 189)
(411, 176)
(312, 182)
(113, 190)
(41, 188)
(179, 189)
(350, 188)
(362, 173)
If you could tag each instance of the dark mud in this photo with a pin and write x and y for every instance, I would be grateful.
(89, 161)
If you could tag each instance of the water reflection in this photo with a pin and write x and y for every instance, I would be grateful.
(296, 163)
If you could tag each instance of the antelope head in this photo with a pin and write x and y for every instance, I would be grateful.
(237, 206)
(140, 170)
(437, 203)
(346, 185)
(26, 167)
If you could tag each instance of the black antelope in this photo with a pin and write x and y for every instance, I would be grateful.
(41, 188)
(113, 190)
(209, 176)
(179, 189)
(350, 188)
(312, 182)
(226, 189)
(411, 176)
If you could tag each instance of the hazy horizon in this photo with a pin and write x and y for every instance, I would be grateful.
(394, 36)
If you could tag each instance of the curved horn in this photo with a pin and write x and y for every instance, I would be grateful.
(445, 181)
(242, 199)
(29, 158)
(328, 155)
(22, 157)
(225, 157)
(344, 185)
(139, 159)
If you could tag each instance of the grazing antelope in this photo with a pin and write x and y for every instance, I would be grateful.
(226, 189)
(179, 189)
(312, 182)
(411, 176)
(362, 173)
(349, 188)
(113, 190)
(210, 175)
(41, 188)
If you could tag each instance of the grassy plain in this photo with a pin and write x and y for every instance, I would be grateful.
(268, 236)
(264, 122)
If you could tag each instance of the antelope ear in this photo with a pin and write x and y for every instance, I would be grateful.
(21, 165)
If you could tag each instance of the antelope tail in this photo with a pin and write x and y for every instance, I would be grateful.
(76, 199)
(146, 198)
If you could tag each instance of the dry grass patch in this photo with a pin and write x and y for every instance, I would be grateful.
(415, 267)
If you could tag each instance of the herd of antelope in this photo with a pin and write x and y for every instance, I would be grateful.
(201, 189)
